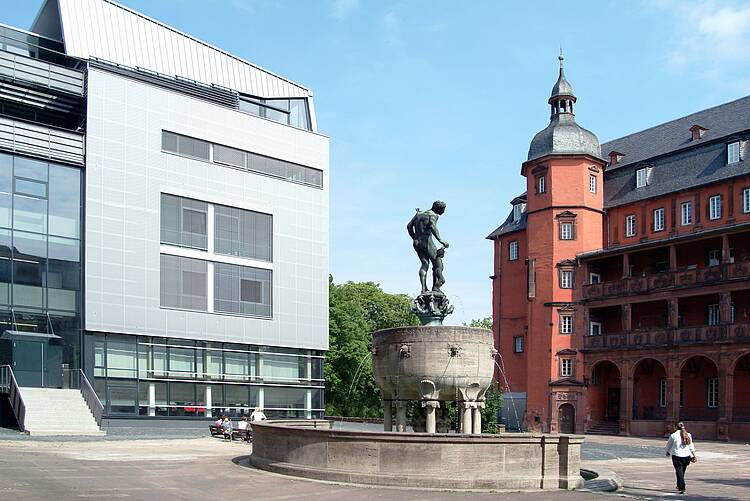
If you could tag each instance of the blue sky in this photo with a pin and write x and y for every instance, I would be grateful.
(424, 100)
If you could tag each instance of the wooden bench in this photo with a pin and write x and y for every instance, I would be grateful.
(237, 434)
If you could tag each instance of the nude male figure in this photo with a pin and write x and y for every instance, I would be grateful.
(421, 228)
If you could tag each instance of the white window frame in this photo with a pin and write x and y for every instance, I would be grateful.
(686, 213)
(595, 328)
(659, 219)
(518, 211)
(712, 397)
(643, 177)
(592, 183)
(714, 207)
(714, 257)
(733, 152)
(566, 279)
(595, 278)
(630, 225)
(566, 323)
(518, 344)
(746, 200)
(566, 367)
(714, 314)
(566, 230)
(541, 185)
(663, 392)
(513, 250)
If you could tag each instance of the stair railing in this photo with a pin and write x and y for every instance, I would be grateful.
(9, 385)
(90, 396)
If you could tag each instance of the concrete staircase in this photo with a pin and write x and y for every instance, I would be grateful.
(52, 411)
(605, 428)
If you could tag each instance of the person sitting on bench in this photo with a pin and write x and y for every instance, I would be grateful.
(226, 426)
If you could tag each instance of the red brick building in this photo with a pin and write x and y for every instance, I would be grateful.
(621, 278)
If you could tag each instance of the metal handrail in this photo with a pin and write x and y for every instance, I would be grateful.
(9, 385)
(90, 396)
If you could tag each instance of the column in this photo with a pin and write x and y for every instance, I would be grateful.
(626, 398)
(626, 318)
(261, 397)
(209, 401)
(466, 420)
(387, 415)
(673, 306)
(673, 395)
(672, 257)
(431, 422)
(625, 265)
(400, 416)
(725, 307)
(308, 405)
(725, 248)
(152, 399)
(726, 387)
(476, 427)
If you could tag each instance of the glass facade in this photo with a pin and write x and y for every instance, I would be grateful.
(149, 376)
(40, 258)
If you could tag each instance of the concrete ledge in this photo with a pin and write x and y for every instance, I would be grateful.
(522, 461)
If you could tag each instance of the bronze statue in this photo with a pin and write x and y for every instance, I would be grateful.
(421, 228)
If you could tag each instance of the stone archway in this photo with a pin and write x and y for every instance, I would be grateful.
(603, 394)
(699, 389)
(566, 418)
(741, 383)
(649, 390)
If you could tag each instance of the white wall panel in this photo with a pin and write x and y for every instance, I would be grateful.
(126, 173)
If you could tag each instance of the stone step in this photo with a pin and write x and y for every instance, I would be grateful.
(52, 411)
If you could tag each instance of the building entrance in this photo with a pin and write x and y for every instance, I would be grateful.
(36, 363)
(567, 418)
(613, 403)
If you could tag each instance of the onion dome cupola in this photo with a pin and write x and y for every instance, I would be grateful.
(563, 136)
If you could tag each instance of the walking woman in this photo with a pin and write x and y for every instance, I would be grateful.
(682, 449)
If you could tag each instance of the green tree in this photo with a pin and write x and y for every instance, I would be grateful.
(482, 323)
(356, 310)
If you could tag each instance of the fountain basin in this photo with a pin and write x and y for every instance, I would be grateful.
(516, 461)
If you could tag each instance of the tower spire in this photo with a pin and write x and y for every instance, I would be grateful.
(562, 96)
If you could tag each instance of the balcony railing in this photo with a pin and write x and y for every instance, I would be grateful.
(41, 141)
(41, 73)
(704, 334)
(667, 280)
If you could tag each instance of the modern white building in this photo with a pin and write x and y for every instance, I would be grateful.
(201, 244)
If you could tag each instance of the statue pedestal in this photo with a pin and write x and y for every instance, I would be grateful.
(432, 307)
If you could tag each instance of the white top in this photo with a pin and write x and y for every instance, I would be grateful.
(675, 447)
(257, 416)
(242, 425)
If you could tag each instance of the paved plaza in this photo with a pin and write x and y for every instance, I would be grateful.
(205, 468)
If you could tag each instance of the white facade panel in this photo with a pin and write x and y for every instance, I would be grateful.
(109, 31)
(126, 172)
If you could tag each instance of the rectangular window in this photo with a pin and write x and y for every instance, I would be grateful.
(662, 392)
(714, 257)
(566, 323)
(713, 314)
(712, 399)
(184, 283)
(686, 210)
(566, 367)
(517, 211)
(630, 228)
(714, 207)
(682, 392)
(185, 146)
(518, 344)
(566, 231)
(746, 200)
(595, 329)
(733, 152)
(242, 233)
(592, 183)
(513, 250)
(540, 185)
(184, 222)
(566, 279)
(595, 278)
(659, 219)
(643, 177)
(242, 290)
(532, 279)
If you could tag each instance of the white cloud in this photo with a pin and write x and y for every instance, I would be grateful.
(342, 8)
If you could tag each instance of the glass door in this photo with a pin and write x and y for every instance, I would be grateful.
(122, 398)
(29, 363)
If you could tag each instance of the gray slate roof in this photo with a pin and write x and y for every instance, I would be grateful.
(678, 162)
(509, 226)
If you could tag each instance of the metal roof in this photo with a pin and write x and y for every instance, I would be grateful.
(107, 30)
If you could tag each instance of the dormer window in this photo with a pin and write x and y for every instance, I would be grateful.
(733, 152)
(517, 211)
(643, 177)
(696, 132)
(615, 157)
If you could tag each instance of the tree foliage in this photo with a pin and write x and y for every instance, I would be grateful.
(482, 323)
(356, 310)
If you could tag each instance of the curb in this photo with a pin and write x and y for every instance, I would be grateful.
(601, 481)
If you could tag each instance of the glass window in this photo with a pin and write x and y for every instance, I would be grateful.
(182, 399)
(29, 265)
(733, 152)
(298, 114)
(181, 361)
(566, 231)
(662, 392)
(713, 392)
(566, 367)
(121, 356)
(282, 367)
(566, 279)
(236, 365)
(566, 323)
(186, 146)
(658, 219)
(643, 177)
(714, 207)
(5, 264)
(630, 227)
(714, 315)
(276, 397)
(63, 273)
(184, 283)
(686, 210)
(746, 200)
(518, 344)
(64, 201)
(513, 250)
(30, 188)
(541, 185)
(592, 183)
(30, 169)
(595, 329)
(595, 278)
(100, 365)
(242, 290)
(184, 222)
(229, 156)
(29, 213)
(242, 233)
(6, 189)
(517, 211)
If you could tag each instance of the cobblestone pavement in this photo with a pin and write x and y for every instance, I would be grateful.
(205, 468)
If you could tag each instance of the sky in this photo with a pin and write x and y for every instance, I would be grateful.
(427, 100)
